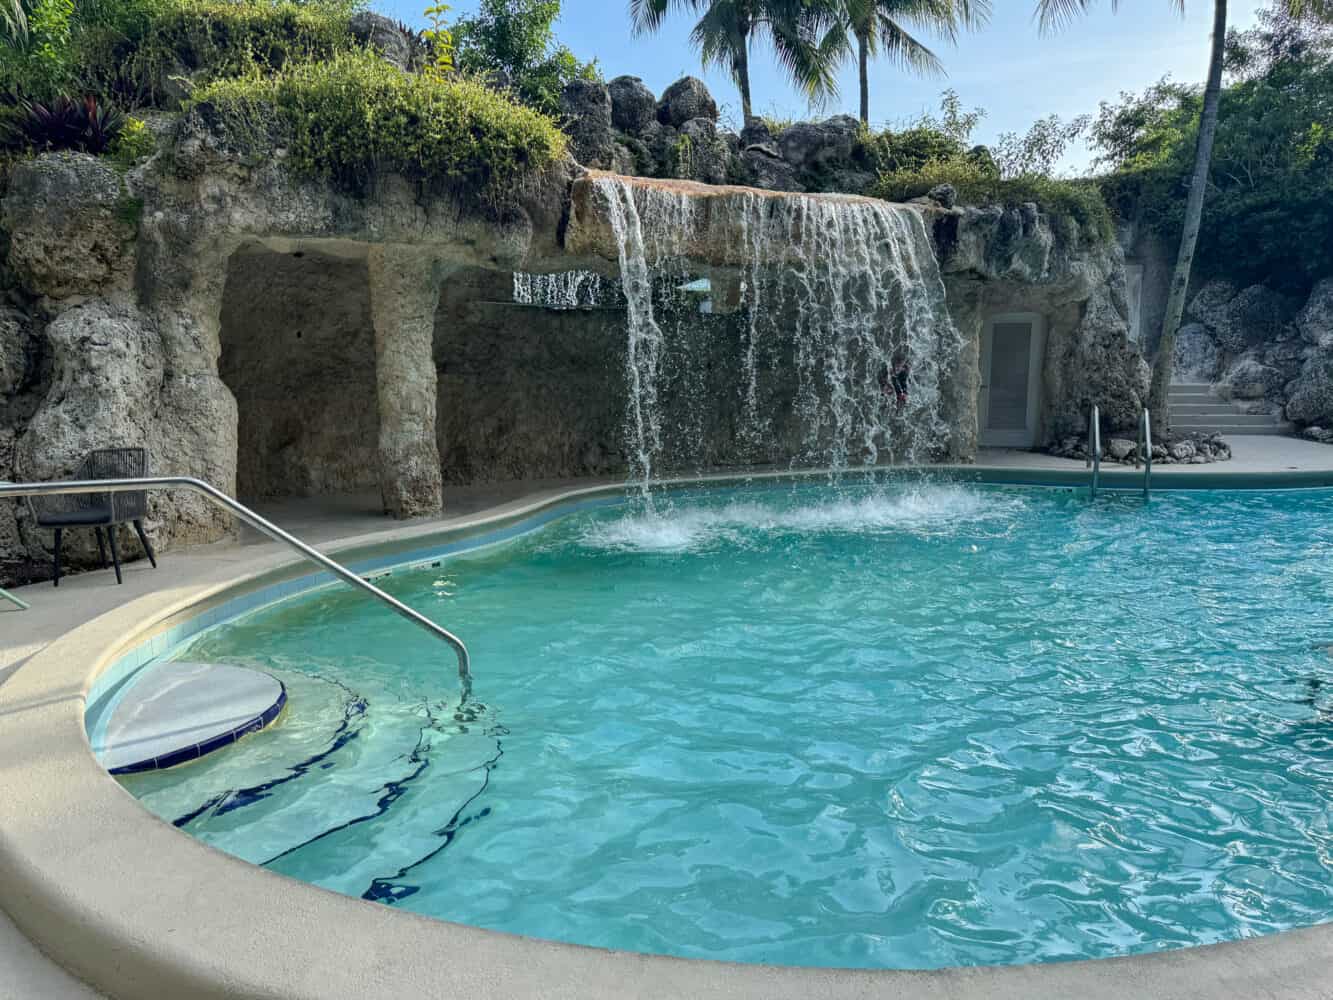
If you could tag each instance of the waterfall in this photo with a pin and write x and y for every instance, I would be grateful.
(833, 294)
(763, 328)
(560, 290)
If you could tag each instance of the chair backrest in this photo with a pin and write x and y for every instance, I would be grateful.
(115, 508)
(119, 463)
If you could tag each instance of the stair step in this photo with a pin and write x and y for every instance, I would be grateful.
(1231, 418)
(1190, 396)
(1189, 385)
(1207, 409)
(1243, 430)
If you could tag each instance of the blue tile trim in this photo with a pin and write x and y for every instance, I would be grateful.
(187, 754)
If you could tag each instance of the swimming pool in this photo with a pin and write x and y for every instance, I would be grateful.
(898, 726)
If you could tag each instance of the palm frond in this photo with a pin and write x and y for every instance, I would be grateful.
(13, 19)
(646, 16)
(899, 46)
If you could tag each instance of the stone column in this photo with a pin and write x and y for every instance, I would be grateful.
(404, 295)
(961, 390)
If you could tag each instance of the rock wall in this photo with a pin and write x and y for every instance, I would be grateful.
(1011, 260)
(1265, 351)
(278, 337)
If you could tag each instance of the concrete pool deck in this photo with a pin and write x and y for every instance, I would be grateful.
(210, 925)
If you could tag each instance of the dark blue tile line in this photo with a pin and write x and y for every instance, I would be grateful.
(197, 750)
(391, 890)
(393, 791)
(233, 799)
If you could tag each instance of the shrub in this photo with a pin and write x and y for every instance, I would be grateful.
(355, 116)
(135, 142)
(1073, 205)
(133, 50)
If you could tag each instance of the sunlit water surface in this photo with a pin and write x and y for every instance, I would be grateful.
(893, 726)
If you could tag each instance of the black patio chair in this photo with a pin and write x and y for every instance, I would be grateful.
(100, 511)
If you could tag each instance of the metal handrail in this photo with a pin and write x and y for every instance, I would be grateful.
(7, 596)
(1095, 448)
(1144, 450)
(221, 499)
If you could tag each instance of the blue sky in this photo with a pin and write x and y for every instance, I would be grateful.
(1008, 68)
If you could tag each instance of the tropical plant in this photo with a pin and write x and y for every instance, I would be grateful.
(883, 28)
(66, 124)
(1054, 13)
(513, 43)
(805, 36)
(13, 19)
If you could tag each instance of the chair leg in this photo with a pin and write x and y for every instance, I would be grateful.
(115, 551)
(101, 547)
(143, 537)
(59, 538)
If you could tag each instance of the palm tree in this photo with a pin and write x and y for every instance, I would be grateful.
(1055, 13)
(13, 19)
(798, 30)
(880, 27)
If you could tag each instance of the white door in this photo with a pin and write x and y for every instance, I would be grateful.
(1012, 349)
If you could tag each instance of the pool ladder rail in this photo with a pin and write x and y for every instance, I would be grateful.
(220, 499)
(1142, 450)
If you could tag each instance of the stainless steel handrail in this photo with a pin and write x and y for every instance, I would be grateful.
(7, 596)
(221, 499)
(1144, 450)
(1095, 448)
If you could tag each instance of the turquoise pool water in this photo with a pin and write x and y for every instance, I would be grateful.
(903, 725)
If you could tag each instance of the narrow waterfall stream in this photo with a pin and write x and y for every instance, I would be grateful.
(825, 323)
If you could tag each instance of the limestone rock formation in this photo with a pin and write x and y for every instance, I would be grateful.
(1248, 379)
(392, 41)
(807, 145)
(586, 105)
(1196, 354)
(766, 168)
(685, 99)
(72, 226)
(633, 105)
(1315, 321)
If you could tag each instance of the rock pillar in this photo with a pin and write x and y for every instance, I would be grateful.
(404, 294)
(960, 389)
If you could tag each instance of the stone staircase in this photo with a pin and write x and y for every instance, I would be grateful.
(1195, 410)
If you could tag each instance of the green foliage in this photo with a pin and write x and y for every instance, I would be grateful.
(134, 50)
(512, 43)
(1269, 211)
(129, 211)
(441, 41)
(38, 61)
(353, 117)
(1075, 207)
(136, 142)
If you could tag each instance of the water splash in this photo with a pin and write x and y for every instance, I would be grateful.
(923, 511)
(833, 293)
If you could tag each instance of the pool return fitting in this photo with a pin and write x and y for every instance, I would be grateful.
(220, 499)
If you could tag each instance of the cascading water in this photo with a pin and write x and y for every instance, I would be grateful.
(837, 295)
(820, 309)
(560, 290)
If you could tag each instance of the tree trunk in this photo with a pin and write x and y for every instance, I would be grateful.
(863, 64)
(1180, 281)
(742, 66)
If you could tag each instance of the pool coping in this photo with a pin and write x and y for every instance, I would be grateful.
(74, 846)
